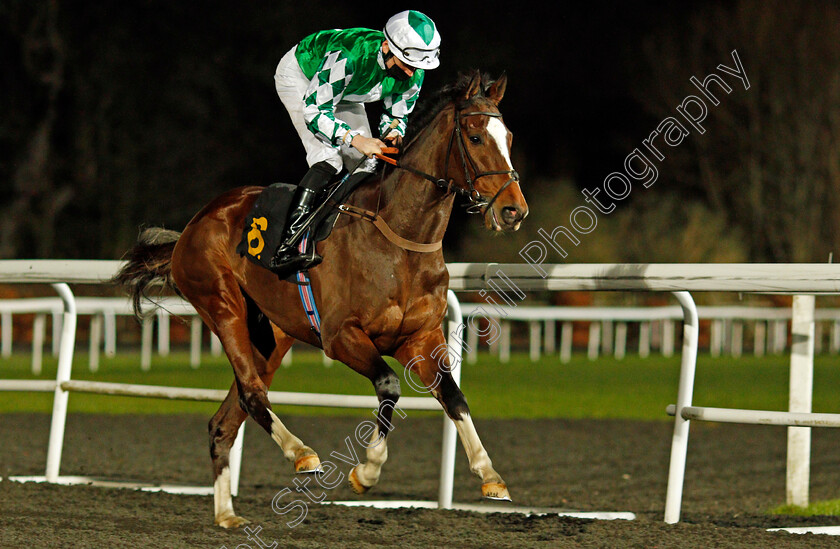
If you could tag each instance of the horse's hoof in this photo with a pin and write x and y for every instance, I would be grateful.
(308, 464)
(232, 521)
(357, 486)
(496, 491)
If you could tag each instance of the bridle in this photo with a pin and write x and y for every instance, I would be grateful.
(478, 202)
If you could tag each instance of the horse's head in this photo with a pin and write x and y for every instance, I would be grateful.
(480, 145)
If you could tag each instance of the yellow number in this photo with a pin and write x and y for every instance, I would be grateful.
(255, 239)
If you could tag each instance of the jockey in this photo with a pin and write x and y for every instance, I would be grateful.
(324, 82)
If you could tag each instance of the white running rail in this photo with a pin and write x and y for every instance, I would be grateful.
(680, 279)
(97, 272)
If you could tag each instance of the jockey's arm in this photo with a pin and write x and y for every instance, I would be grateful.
(396, 109)
(392, 135)
(325, 90)
(319, 107)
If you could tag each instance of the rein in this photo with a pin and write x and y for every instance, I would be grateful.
(478, 203)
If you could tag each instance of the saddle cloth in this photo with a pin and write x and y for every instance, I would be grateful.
(265, 223)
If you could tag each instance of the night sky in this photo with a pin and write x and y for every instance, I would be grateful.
(571, 69)
(157, 95)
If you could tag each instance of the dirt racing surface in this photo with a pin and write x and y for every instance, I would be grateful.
(734, 474)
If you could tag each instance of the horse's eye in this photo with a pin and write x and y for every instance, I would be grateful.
(475, 139)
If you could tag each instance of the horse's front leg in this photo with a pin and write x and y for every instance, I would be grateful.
(354, 348)
(427, 356)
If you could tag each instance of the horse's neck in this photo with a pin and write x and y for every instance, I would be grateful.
(414, 207)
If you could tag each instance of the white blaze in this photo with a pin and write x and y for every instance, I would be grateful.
(499, 133)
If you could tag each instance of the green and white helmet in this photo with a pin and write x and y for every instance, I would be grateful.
(413, 39)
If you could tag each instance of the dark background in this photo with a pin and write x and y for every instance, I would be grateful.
(122, 115)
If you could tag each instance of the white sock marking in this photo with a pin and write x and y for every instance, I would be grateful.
(480, 463)
(288, 442)
(222, 500)
(368, 472)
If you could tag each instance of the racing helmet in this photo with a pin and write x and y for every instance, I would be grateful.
(413, 38)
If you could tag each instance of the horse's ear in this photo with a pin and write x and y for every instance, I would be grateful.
(497, 89)
(475, 86)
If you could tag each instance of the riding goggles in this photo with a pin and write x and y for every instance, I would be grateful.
(419, 58)
(417, 55)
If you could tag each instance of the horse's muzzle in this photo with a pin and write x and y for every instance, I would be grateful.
(505, 218)
(513, 215)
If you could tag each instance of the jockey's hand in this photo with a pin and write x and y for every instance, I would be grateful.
(394, 139)
(368, 146)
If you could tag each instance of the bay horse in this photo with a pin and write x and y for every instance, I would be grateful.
(376, 298)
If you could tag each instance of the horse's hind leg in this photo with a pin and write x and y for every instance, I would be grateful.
(225, 311)
(223, 428)
(225, 424)
(223, 308)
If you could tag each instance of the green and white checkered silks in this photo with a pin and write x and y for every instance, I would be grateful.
(397, 107)
(327, 88)
(323, 94)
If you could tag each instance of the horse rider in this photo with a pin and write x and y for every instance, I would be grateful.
(324, 82)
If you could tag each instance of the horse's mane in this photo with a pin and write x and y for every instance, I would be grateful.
(428, 109)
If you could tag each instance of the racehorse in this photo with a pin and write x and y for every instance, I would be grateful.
(377, 296)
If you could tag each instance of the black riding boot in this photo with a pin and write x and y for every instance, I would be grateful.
(303, 202)
(287, 259)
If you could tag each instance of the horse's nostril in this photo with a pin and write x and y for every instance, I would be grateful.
(510, 214)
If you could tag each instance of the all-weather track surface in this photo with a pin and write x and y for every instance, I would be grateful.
(734, 474)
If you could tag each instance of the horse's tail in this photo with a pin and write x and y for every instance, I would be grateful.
(149, 262)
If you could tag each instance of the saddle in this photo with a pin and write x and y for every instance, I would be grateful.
(266, 222)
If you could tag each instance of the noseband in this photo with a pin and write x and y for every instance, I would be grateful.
(478, 202)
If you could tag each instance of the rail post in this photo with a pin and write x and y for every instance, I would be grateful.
(801, 388)
(679, 443)
(65, 365)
